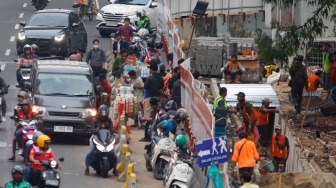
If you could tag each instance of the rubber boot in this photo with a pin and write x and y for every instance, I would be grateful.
(228, 79)
(237, 80)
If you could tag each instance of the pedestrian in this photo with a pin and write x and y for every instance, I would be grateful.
(299, 80)
(333, 79)
(96, 58)
(153, 103)
(314, 81)
(263, 123)
(233, 70)
(327, 60)
(246, 180)
(176, 91)
(221, 112)
(245, 154)
(250, 115)
(174, 78)
(119, 63)
(280, 150)
(106, 88)
(138, 87)
(79, 56)
(119, 44)
(169, 75)
(126, 31)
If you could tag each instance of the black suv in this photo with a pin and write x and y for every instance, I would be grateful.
(53, 28)
(63, 93)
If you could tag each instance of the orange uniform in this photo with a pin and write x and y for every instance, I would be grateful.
(311, 83)
(231, 64)
(246, 114)
(248, 153)
(262, 118)
(276, 151)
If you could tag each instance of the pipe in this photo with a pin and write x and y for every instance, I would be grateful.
(219, 9)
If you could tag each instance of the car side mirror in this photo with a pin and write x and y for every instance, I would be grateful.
(14, 117)
(61, 159)
(112, 1)
(75, 25)
(153, 5)
(99, 89)
(23, 23)
(28, 86)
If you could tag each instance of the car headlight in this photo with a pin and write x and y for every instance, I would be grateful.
(90, 112)
(53, 164)
(59, 38)
(21, 36)
(37, 109)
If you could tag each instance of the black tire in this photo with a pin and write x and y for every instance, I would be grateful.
(148, 166)
(158, 170)
(90, 15)
(105, 34)
(105, 168)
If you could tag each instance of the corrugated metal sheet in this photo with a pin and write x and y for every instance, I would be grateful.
(254, 93)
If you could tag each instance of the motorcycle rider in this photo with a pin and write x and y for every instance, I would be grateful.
(144, 21)
(42, 152)
(17, 182)
(181, 145)
(24, 113)
(26, 57)
(3, 87)
(35, 49)
(100, 122)
(28, 168)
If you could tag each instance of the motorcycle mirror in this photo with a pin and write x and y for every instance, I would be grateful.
(15, 60)
(40, 112)
(23, 23)
(61, 159)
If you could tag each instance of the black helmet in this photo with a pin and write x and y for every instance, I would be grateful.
(159, 45)
(103, 111)
(17, 169)
(171, 105)
(133, 49)
(155, 60)
(24, 102)
(151, 43)
(35, 47)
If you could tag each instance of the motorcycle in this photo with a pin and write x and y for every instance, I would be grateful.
(83, 11)
(2, 93)
(40, 4)
(25, 70)
(104, 157)
(50, 177)
(180, 171)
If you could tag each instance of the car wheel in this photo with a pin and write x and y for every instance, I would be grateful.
(105, 34)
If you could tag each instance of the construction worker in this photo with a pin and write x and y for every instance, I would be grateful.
(233, 70)
(221, 112)
(249, 118)
(263, 122)
(327, 65)
(245, 154)
(280, 150)
(314, 81)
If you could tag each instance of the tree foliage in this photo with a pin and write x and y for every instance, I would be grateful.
(288, 39)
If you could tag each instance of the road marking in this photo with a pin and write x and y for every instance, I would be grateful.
(12, 39)
(24, 5)
(16, 26)
(3, 144)
(21, 15)
(7, 52)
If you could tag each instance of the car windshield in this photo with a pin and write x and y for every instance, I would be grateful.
(132, 2)
(61, 84)
(49, 20)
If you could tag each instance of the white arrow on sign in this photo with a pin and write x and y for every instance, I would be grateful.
(203, 153)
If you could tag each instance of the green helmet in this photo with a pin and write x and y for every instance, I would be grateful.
(181, 141)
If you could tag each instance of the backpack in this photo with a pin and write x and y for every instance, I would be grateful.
(90, 53)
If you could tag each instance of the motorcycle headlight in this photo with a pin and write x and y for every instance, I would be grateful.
(37, 109)
(168, 143)
(90, 112)
(21, 36)
(182, 170)
(60, 37)
(30, 136)
(99, 146)
(24, 132)
(110, 147)
(53, 164)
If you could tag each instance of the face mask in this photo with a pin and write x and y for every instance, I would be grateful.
(95, 46)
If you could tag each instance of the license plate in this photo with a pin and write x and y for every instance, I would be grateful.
(166, 152)
(63, 129)
(52, 182)
(111, 23)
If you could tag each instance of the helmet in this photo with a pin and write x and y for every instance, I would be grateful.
(159, 45)
(17, 169)
(35, 47)
(143, 32)
(181, 114)
(41, 140)
(155, 60)
(171, 105)
(27, 47)
(151, 43)
(166, 126)
(141, 13)
(36, 135)
(103, 111)
(23, 94)
(24, 102)
(183, 44)
(181, 141)
(133, 49)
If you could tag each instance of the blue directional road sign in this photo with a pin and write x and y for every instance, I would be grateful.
(212, 151)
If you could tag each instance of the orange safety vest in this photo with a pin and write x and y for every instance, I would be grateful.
(311, 83)
(166, 83)
(246, 115)
(231, 64)
(262, 118)
(276, 152)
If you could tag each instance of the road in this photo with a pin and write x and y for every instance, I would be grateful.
(72, 149)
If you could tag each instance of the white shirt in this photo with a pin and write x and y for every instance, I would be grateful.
(118, 46)
(250, 185)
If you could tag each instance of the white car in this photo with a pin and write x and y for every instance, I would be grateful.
(110, 16)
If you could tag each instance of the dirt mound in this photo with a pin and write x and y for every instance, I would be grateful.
(298, 180)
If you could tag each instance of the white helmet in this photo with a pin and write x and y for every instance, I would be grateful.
(141, 13)
(27, 46)
(143, 32)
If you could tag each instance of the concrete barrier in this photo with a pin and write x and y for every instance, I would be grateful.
(130, 177)
(120, 147)
(121, 164)
(127, 161)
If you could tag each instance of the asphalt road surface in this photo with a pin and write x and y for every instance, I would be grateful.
(72, 149)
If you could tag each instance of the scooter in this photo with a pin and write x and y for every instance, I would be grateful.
(40, 4)
(25, 70)
(50, 177)
(104, 157)
(180, 171)
(2, 93)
